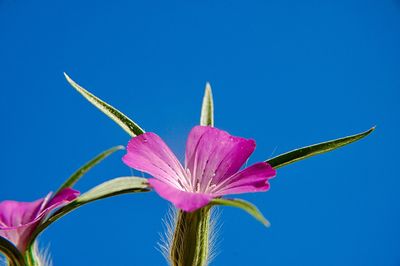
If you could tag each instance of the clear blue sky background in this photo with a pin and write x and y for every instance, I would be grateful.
(286, 73)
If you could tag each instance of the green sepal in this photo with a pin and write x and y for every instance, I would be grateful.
(13, 255)
(70, 182)
(207, 108)
(113, 187)
(305, 152)
(122, 120)
(244, 205)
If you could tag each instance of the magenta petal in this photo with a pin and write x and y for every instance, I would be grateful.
(149, 153)
(14, 213)
(64, 196)
(215, 154)
(20, 235)
(252, 179)
(186, 201)
(18, 220)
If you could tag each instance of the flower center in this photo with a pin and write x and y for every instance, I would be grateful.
(199, 184)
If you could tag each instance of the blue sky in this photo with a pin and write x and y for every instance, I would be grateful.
(285, 73)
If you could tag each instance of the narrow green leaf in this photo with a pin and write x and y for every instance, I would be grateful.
(70, 182)
(14, 257)
(244, 205)
(122, 120)
(207, 108)
(113, 187)
(305, 152)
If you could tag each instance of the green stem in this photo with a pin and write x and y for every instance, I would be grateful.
(30, 257)
(190, 241)
(13, 255)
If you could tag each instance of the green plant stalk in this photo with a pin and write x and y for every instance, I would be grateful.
(12, 254)
(30, 257)
(33, 257)
(190, 241)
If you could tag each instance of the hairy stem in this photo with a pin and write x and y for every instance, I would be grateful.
(33, 257)
(190, 242)
(30, 256)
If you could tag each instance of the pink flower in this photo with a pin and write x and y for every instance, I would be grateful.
(18, 220)
(212, 163)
